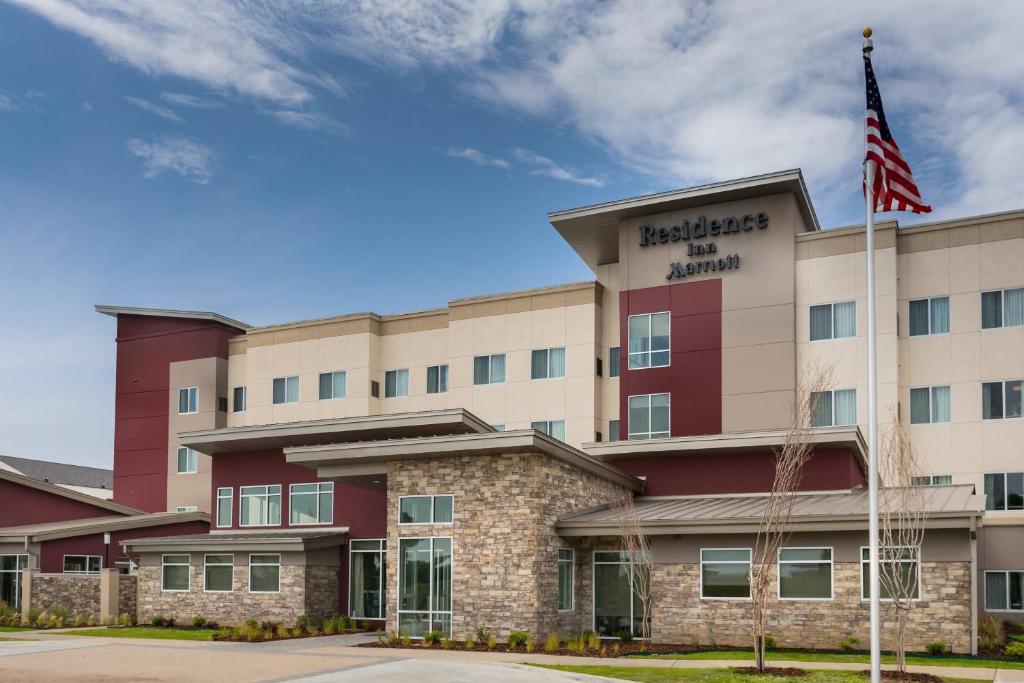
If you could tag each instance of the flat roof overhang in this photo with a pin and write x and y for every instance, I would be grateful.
(333, 431)
(223, 542)
(365, 463)
(593, 231)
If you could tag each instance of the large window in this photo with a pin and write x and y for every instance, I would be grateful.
(1001, 400)
(367, 579)
(332, 385)
(218, 573)
(10, 578)
(616, 605)
(224, 505)
(238, 399)
(425, 509)
(613, 361)
(930, 404)
(929, 316)
(1003, 308)
(259, 505)
(489, 369)
(437, 379)
(188, 400)
(188, 461)
(311, 503)
(649, 340)
(555, 428)
(286, 390)
(396, 383)
(175, 573)
(649, 416)
(725, 573)
(424, 585)
(547, 363)
(834, 408)
(82, 564)
(805, 573)
(566, 579)
(834, 321)
(1004, 591)
(1004, 491)
(264, 573)
(899, 573)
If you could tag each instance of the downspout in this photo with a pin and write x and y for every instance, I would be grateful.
(974, 586)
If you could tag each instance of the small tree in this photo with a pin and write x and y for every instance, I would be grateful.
(901, 522)
(637, 547)
(774, 528)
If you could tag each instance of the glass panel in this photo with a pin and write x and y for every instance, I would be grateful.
(497, 368)
(806, 580)
(659, 414)
(992, 400)
(340, 382)
(639, 415)
(822, 401)
(941, 404)
(74, 563)
(639, 333)
(182, 400)
(995, 590)
(920, 406)
(432, 379)
(821, 322)
(365, 584)
(741, 555)
(556, 362)
(326, 386)
(366, 545)
(442, 509)
(414, 510)
(1012, 405)
(444, 379)
(942, 479)
(403, 383)
(1015, 491)
(279, 393)
(660, 332)
(613, 430)
(940, 315)
(991, 309)
(611, 598)
(175, 577)
(442, 623)
(613, 361)
(846, 319)
(274, 505)
(414, 624)
(1016, 590)
(1013, 307)
(414, 579)
(441, 600)
(610, 556)
(805, 554)
(995, 491)
(95, 564)
(238, 402)
(325, 505)
(218, 578)
(726, 580)
(389, 384)
(481, 370)
(558, 429)
(539, 364)
(264, 578)
(845, 406)
(303, 507)
(919, 317)
(292, 389)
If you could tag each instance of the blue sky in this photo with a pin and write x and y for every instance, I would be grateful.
(280, 161)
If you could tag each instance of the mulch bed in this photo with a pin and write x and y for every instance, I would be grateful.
(771, 671)
(897, 676)
(608, 650)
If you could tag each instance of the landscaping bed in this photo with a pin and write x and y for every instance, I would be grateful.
(586, 644)
(671, 675)
(253, 631)
(994, 659)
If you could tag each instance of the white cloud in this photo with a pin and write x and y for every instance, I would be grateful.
(546, 167)
(162, 112)
(185, 100)
(8, 103)
(87, 106)
(315, 121)
(477, 157)
(185, 157)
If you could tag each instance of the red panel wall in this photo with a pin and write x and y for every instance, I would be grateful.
(146, 346)
(20, 505)
(51, 553)
(694, 377)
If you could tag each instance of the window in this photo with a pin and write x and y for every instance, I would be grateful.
(834, 321)
(259, 505)
(437, 379)
(374, 388)
(498, 427)
(566, 579)
(489, 369)
(238, 399)
(649, 340)
(188, 461)
(396, 383)
(834, 408)
(176, 573)
(286, 390)
(649, 416)
(1001, 399)
(929, 316)
(188, 400)
(725, 573)
(264, 573)
(613, 361)
(425, 585)
(332, 385)
(599, 367)
(598, 437)
(613, 430)
(553, 428)
(616, 605)
(222, 404)
(218, 573)
(904, 583)
(1004, 491)
(126, 566)
(367, 579)
(10, 578)
(425, 509)
(932, 480)
(930, 404)
(547, 363)
(1003, 308)
(805, 573)
(1004, 591)
(224, 496)
(186, 508)
(311, 503)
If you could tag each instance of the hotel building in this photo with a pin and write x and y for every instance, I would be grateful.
(459, 467)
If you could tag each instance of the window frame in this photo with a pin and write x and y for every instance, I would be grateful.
(864, 568)
(614, 364)
(917, 480)
(650, 434)
(319, 492)
(87, 571)
(234, 399)
(490, 369)
(832, 422)
(280, 494)
(832, 315)
(547, 363)
(191, 400)
(648, 353)
(1006, 493)
(287, 379)
(186, 508)
(1002, 397)
(231, 504)
(930, 332)
(831, 572)
(333, 374)
(382, 582)
(395, 373)
(616, 434)
(1006, 577)
(630, 559)
(571, 562)
(749, 563)
(430, 590)
(20, 564)
(431, 496)
(442, 379)
(1002, 308)
(163, 576)
(548, 424)
(265, 564)
(931, 403)
(194, 460)
(206, 578)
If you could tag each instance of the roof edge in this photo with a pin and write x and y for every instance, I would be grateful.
(69, 493)
(115, 311)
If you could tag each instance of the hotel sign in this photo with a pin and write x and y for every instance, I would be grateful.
(703, 254)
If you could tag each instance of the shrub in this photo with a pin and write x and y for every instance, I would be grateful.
(1014, 650)
(850, 643)
(251, 630)
(551, 642)
(403, 637)
(616, 650)
(90, 620)
(432, 638)
(302, 621)
(530, 645)
(197, 621)
(43, 620)
(769, 641)
(59, 622)
(482, 634)
(624, 635)
(33, 614)
(124, 619)
(492, 642)
(365, 624)
(329, 627)
(60, 611)
(1012, 628)
(990, 633)
(593, 641)
(446, 643)
(470, 642)
(937, 648)
(518, 638)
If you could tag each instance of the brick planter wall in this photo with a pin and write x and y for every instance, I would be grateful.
(78, 593)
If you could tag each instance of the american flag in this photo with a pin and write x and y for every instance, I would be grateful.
(894, 186)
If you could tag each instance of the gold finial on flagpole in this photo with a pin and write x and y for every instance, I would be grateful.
(867, 32)
(867, 40)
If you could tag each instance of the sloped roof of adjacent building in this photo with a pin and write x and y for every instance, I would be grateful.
(61, 473)
(68, 528)
(57, 490)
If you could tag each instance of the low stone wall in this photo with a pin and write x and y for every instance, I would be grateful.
(127, 595)
(78, 593)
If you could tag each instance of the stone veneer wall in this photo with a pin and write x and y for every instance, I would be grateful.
(322, 591)
(78, 593)
(943, 614)
(504, 545)
(128, 595)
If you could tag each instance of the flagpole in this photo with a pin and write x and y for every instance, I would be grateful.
(875, 604)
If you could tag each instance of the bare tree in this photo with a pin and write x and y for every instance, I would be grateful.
(901, 523)
(638, 549)
(774, 528)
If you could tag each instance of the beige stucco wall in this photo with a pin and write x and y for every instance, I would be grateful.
(210, 376)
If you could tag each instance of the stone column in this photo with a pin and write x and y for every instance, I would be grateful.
(26, 592)
(109, 585)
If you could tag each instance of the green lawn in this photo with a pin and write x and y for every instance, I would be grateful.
(812, 656)
(143, 632)
(8, 629)
(654, 675)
